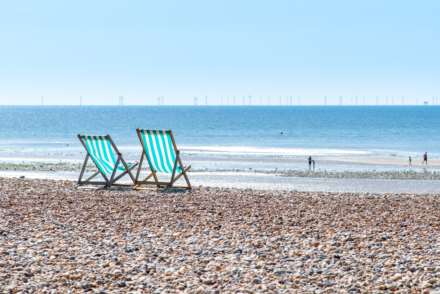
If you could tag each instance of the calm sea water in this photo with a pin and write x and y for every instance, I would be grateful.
(239, 146)
(414, 129)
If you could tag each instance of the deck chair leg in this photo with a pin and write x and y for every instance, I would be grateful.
(139, 167)
(183, 174)
(87, 181)
(128, 170)
(111, 181)
(92, 176)
(184, 170)
(149, 176)
(174, 178)
(187, 179)
(83, 169)
(156, 180)
(124, 173)
(145, 181)
(173, 173)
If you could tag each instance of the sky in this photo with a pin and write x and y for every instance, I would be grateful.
(219, 49)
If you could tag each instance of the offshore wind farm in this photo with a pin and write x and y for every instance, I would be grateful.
(262, 100)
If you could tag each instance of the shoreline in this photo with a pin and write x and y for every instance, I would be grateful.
(269, 174)
(381, 182)
(212, 239)
(416, 173)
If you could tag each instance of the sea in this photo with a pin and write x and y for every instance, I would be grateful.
(234, 143)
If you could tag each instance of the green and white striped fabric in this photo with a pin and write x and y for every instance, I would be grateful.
(159, 149)
(102, 153)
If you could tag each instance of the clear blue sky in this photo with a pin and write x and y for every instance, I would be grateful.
(181, 49)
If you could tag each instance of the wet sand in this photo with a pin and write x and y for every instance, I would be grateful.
(55, 237)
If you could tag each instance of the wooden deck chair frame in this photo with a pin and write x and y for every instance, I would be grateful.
(153, 173)
(108, 181)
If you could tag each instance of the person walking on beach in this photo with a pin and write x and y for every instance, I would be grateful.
(409, 161)
(425, 158)
(310, 163)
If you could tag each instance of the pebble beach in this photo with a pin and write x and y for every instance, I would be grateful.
(55, 237)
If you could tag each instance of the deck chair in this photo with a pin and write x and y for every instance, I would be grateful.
(160, 150)
(108, 160)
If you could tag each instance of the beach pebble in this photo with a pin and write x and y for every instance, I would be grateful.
(57, 238)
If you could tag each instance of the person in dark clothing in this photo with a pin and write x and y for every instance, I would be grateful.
(425, 158)
(310, 162)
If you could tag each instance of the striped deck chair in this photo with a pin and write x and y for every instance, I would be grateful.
(107, 159)
(160, 150)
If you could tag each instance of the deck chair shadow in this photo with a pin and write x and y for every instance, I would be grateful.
(108, 160)
(160, 150)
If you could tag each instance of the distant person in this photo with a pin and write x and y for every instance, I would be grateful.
(410, 161)
(313, 165)
(310, 163)
(425, 158)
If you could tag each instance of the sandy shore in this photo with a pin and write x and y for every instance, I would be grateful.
(56, 237)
